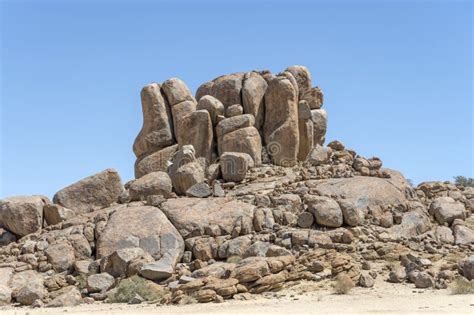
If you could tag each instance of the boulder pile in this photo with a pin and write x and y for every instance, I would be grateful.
(235, 195)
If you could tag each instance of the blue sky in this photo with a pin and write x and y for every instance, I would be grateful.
(397, 77)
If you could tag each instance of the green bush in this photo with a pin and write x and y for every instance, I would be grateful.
(128, 288)
(461, 285)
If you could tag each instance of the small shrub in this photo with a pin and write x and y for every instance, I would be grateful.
(81, 281)
(343, 284)
(461, 285)
(127, 289)
(234, 259)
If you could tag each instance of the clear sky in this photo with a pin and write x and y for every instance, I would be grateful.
(396, 76)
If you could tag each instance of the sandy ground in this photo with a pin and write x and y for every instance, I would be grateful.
(305, 298)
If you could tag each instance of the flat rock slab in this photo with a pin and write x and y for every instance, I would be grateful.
(362, 191)
(212, 216)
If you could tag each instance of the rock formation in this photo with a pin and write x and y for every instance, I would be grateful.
(234, 195)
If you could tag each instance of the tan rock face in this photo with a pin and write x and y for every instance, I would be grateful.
(158, 161)
(216, 216)
(177, 91)
(155, 183)
(305, 127)
(281, 122)
(245, 140)
(320, 121)
(196, 129)
(157, 130)
(212, 105)
(227, 89)
(22, 215)
(234, 166)
(185, 171)
(303, 78)
(253, 96)
(144, 227)
(94, 192)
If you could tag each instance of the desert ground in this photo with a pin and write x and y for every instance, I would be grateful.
(304, 298)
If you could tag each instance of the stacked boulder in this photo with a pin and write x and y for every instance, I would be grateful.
(270, 118)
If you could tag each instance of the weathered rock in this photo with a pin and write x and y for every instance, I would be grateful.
(100, 282)
(179, 111)
(463, 235)
(263, 219)
(5, 295)
(144, 227)
(212, 105)
(413, 223)
(118, 262)
(305, 127)
(314, 97)
(281, 122)
(444, 235)
(231, 124)
(94, 192)
(213, 216)
(159, 270)
(157, 129)
(423, 280)
(352, 215)
(397, 275)
(245, 140)
(446, 209)
(320, 121)
(361, 191)
(6, 237)
(317, 156)
(196, 129)
(302, 76)
(366, 280)
(305, 220)
(250, 269)
(234, 247)
(22, 215)
(227, 89)
(68, 296)
(234, 110)
(157, 161)
(467, 268)
(61, 256)
(253, 92)
(325, 210)
(176, 91)
(54, 214)
(199, 190)
(155, 183)
(27, 287)
(234, 166)
(185, 171)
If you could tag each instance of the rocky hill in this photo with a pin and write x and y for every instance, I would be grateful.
(234, 195)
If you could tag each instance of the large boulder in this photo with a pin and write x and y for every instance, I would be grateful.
(226, 88)
(413, 223)
(253, 93)
(61, 256)
(22, 215)
(156, 183)
(157, 129)
(213, 106)
(362, 191)
(319, 117)
(54, 214)
(314, 96)
(144, 227)
(463, 235)
(185, 170)
(27, 287)
(281, 122)
(213, 216)
(305, 127)
(245, 140)
(326, 211)
(234, 166)
(157, 161)
(303, 78)
(446, 209)
(231, 124)
(94, 192)
(196, 129)
(177, 91)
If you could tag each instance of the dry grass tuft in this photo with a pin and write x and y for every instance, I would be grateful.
(461, 285)
(343, 284)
